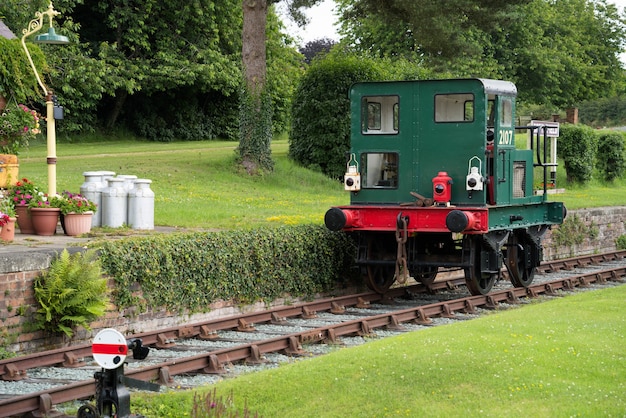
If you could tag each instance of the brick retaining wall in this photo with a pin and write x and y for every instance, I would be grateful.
(18, 270)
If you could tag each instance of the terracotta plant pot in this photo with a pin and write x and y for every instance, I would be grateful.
(8, 230)
(77, 223)
(24, 220)
(45, 220)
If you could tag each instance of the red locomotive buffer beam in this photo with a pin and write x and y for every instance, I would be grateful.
(420, 219)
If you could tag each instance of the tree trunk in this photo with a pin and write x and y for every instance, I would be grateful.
(256, 133)
(253, 44)
(118, 104)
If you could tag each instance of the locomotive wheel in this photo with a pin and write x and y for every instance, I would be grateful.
(425, 274)
(478, 283)
(87, 411)
(379, 277)
(516, 255)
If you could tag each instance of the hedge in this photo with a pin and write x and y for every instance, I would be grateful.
(186, 272)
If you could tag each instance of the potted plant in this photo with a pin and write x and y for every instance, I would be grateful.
(76, 212)
(20, 194)
(18, 126)
(44, 215)
(7, 220)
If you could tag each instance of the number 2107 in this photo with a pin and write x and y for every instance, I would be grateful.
(505, 137)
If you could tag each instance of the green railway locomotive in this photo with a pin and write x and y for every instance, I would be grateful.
(436, 182)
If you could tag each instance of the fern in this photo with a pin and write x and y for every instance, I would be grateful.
(71, 293)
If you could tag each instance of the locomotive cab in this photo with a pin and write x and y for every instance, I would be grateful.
(435, 163)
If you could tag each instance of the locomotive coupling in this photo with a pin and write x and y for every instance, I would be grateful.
(459, 221)
(336, 219)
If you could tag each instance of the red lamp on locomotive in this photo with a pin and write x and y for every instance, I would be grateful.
(442, 190)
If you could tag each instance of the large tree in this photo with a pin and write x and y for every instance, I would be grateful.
(569, 53)
(557, 51)
(165, 69)
(256, 106)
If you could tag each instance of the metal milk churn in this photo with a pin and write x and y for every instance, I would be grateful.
(141, 205)
(92, 190)
(114, 203)
(129, 180)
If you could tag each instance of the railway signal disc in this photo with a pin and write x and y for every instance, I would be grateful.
(109, 348)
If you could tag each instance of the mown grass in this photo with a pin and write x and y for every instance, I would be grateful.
(197, 184)
(562, 358)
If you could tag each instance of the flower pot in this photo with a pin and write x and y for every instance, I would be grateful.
(77, 223)
(24, 221)
(45, 220)
(8, 230)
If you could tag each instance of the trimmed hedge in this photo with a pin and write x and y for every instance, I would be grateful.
(611, 158)
(578, 146)
(186, 272)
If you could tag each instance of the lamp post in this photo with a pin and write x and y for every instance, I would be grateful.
(51, 37)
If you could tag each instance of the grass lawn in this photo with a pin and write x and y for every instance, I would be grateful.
(196, 184)
(562, 358)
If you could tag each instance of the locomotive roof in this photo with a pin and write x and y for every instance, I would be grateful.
(490, 86)
(499, 86)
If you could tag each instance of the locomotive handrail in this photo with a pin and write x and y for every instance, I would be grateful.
(539, 163)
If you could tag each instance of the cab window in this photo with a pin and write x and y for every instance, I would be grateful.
(457, 107)
(379, 115)
(506, 112)
(379, 170)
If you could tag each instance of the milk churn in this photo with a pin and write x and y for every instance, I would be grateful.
(92, 190)
(141, 205)
(114, 203)
(129, 180)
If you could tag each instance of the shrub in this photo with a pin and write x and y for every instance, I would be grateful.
(620, 242)
(320, 132)
(577, 146)
(189, 271)
(71, 293)
(611, 162)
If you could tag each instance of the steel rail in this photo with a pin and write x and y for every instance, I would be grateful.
(16, 368)
(73, 356)
(214, 361)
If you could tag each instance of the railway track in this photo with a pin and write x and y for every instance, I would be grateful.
(359, 314)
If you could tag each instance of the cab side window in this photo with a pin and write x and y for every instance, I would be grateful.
(456, 107)
(379, 115)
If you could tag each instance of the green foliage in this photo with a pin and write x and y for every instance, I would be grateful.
(320, 130)
(178, 114)
(189, 271)
(71, 293)
(609, 111)
(70, 202)
(574, 231)
(569, 53)
(620, 242)
(17, 80)
(611, 159)
(577, 147)
(166, 71)
(4, 353)
(284, 70)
